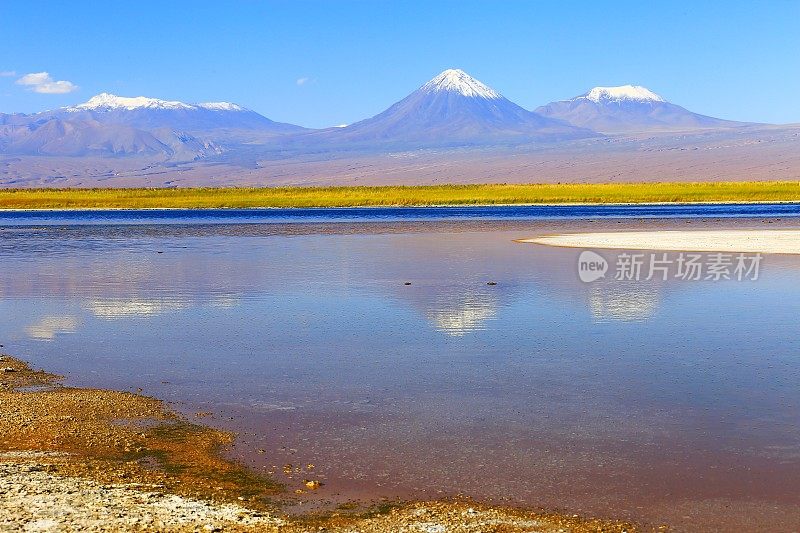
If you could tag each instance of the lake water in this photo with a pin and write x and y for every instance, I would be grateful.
(665, 401)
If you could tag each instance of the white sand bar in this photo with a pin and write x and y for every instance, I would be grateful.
(746, 241)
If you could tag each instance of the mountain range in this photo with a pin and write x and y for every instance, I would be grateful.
(452, 109)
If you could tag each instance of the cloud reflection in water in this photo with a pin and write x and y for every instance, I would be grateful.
(49, 327)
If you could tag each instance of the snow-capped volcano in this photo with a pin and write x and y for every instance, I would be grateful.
(456, 80)
(628, 108)
(453, 108)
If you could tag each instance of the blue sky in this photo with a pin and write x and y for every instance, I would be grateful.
(323, 63)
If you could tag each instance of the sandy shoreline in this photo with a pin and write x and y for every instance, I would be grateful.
(728, 241)
(76, 459)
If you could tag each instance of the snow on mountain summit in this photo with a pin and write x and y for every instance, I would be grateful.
(635, 93)
(456, 80)
(221, 106)
(111, 101)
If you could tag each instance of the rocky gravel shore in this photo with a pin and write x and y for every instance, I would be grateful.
(33, 499)
(96, 460)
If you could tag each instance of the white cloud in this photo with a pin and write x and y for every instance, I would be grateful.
(7, 73)
(42, 82)
(36, 78)
(303, 81)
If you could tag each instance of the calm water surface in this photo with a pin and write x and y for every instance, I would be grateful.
(663, 401)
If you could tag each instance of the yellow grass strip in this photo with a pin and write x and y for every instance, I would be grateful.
(235, 197)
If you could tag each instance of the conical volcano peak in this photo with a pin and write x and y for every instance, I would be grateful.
(458, 81)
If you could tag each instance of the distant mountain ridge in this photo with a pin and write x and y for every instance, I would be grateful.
(118, 126)
(146, 113)
(627, 109)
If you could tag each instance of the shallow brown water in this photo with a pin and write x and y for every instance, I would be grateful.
(663, 401)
